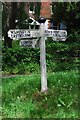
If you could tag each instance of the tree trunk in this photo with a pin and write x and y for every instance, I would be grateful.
(10, 24)
(7, 40)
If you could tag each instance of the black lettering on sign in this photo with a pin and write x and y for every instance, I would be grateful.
(28, 31)
(59, 35)
(26, 43)
(51, 32)
(63, 34)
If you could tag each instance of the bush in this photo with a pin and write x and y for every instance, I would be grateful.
(74, 36)
(59, 56)
(19, 57)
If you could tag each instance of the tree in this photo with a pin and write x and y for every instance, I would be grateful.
(68, 12)
(22, 14)
(1, 19)
(37, 9)
(8, 19)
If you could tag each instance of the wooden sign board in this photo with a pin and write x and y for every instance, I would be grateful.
(26, 43)
(23, 33)
(57, 35)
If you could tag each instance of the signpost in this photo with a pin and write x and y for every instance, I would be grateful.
(28, 38)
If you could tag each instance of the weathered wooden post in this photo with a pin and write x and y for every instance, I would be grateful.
(43, 56)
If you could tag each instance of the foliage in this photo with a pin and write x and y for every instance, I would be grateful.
(60, 56)
(37, 9)
(74, 36)
(10, 14)
(22, 97)
(15, 110)
(22, 15)
(4, 17)
(71, 13)
(31, 4)
(19, 59)
(35, 6)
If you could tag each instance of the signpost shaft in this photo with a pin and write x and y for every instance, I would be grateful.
(43, 59)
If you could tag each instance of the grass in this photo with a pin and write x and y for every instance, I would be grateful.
(22, 98)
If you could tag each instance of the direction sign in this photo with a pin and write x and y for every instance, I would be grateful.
(23, 33)
(57, 35)
(28, 43)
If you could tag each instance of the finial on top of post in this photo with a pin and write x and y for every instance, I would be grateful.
(41, 20)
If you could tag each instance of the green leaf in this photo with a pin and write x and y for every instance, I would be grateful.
(62, 102)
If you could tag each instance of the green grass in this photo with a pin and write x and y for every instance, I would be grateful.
(22, 97)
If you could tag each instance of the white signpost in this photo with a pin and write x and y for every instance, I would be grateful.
(29, 37)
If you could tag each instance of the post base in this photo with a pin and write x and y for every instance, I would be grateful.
(44, 90)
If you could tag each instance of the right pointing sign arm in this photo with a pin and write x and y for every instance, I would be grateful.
(57, 35)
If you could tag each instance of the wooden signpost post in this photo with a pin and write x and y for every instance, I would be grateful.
(28, 38)
(43, 56)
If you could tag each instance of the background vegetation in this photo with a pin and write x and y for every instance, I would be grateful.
(61, 56)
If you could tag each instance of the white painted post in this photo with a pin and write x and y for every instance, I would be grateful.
(43, 59)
